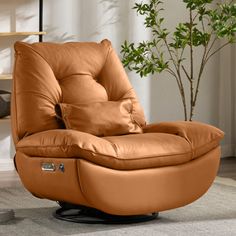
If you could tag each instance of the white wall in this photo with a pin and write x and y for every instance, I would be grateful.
(227, 99)
(6, 146)
(93, 20)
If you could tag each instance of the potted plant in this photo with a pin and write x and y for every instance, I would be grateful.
(173, 52)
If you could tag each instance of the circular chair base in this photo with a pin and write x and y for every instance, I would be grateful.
(82, 214)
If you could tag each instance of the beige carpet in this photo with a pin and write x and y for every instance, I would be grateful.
(213, 214)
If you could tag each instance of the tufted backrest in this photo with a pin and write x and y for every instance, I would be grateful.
(76, 73)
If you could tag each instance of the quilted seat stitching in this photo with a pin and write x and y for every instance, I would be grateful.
(115, 148)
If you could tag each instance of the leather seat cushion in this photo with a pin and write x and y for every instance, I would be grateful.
(100, 118)
(133, 151)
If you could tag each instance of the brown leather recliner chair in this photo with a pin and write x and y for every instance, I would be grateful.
(81, 137)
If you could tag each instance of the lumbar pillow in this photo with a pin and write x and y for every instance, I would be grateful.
(100, 118)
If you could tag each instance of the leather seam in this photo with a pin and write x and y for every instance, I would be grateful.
(150, 157)
(205, 144)
(115, 149)
(108, 53)
(132, 116)
(43, 59)
(202, 146)
(188, 141)
(68, 76)
(133, 109)
(39, 94)
(127, 91)
(98, 74)
(143, 157)
(58, 146)
(79, 182)
(196, 148)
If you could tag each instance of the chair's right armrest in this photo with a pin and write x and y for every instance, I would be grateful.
(201, 137)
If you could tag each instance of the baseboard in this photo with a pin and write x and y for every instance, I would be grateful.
(6, 165)
(228, 150)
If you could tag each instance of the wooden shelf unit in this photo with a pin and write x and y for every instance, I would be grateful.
(40, 33)
(7, 149)
(5, 119)
(5, 34)
(5, 76)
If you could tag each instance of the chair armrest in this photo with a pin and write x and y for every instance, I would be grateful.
(64, 143)
(201, 137)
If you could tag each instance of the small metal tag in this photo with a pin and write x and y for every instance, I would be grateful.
(48, 167)
(61, 167)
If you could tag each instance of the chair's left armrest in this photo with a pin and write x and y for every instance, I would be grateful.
(64, 143)
(201, 137)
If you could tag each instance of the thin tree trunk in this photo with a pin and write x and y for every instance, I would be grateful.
(191, 68)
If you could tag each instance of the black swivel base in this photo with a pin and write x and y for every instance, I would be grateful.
(82, 214)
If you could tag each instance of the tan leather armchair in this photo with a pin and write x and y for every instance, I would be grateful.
(81, 136)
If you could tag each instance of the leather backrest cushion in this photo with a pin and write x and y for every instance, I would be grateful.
(75, 73)
(100, 118)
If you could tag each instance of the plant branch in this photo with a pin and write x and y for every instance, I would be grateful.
(217, 50)
(178, 79)
(203, 25)
(203, 63)
(211, 46)
(205, 59)
(186, 73)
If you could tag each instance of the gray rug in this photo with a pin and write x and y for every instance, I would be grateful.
(213, 214)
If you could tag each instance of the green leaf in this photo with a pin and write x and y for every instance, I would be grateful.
(195, 4)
